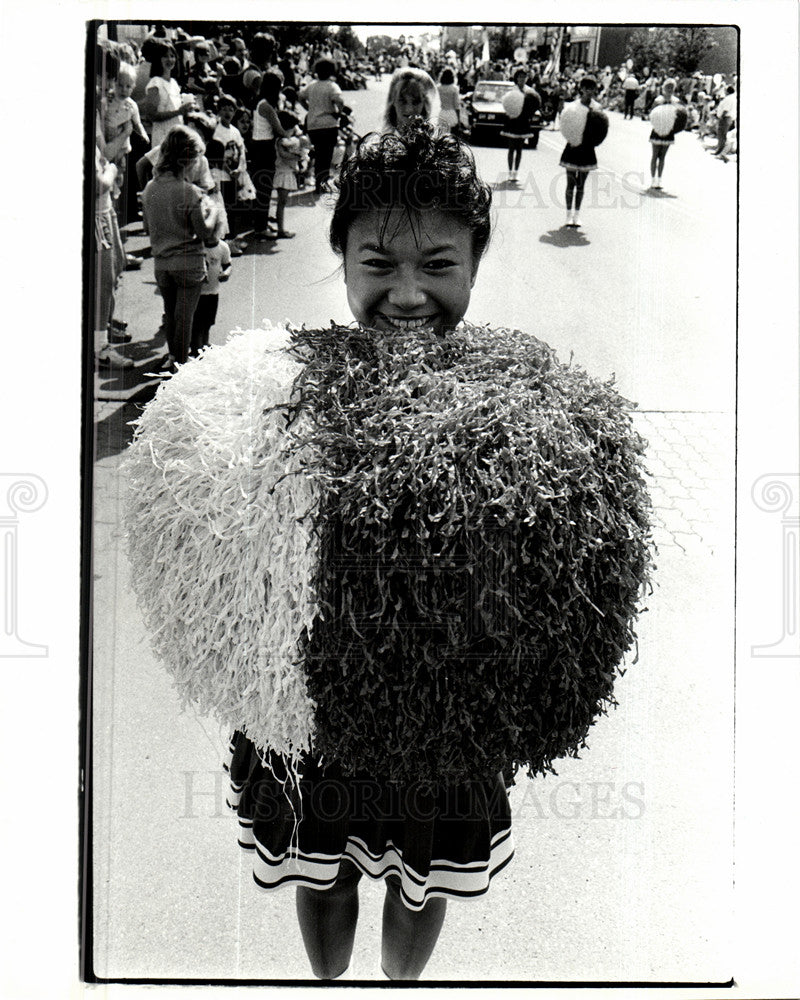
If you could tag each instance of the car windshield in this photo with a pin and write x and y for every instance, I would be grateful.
(492, 92)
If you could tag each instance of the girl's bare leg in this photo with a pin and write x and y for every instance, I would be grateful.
(409, 936)
(570, 189)
(653, 162)
(328, 919)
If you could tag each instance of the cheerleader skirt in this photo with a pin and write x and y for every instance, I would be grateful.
(445, 843)
(661, 140)
(581, 158)
(517, 128)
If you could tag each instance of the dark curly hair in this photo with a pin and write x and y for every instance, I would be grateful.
(413, 171)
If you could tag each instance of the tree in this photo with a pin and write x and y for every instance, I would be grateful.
(689, 46)
(349, 40)
(503, 41)
(680, 50)
(377, 43)
(649, 47)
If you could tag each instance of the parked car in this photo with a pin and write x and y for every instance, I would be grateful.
(485, 114)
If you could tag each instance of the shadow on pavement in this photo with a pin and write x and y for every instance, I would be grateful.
(113, 434)
(565, 237)
(658, 193)
(260, 248)
(304, 199)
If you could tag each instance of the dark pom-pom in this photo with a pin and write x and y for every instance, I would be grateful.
(596, 128)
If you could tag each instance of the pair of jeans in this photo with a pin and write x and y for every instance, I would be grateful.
(324, 142)
(180, 288)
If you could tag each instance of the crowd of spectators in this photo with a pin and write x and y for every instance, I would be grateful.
(269, 120)
(263, 122)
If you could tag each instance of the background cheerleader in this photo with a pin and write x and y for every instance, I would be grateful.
(520, 106)
(667, 118)
(584, 125)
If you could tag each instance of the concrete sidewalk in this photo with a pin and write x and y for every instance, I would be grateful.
(623, 860)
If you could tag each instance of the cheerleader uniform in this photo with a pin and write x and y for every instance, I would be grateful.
(669, 139)
(519, 125)
(446, 843)
(582, 158)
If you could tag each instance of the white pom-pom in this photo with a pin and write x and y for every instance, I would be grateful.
(220, 546)
(512, 103)
(662, 118)
(573, 122)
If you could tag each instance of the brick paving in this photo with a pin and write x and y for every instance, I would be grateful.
(690, 477)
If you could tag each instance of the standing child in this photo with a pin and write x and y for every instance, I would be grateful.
(411, 224)
(288, 154)
(218, 268)
(668, 117)
(520, 105)
(233, 163)
(584, 125)
(266, 129)
(172, 208)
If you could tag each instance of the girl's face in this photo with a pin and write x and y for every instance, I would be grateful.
(406, 273)
(410, 104)
(124, 87)
(168, 63)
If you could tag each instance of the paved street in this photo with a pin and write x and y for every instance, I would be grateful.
(623, 860)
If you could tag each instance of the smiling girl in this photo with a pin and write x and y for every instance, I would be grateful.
(374, 722)
(411, 224)
(164, 106)
(412, 94)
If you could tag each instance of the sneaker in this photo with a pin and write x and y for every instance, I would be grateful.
(657, 183)
(569, 219)
(576, 222)
(132, 263)
(107, 357)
